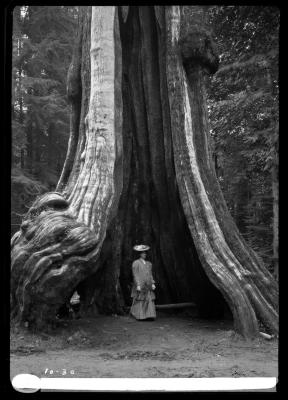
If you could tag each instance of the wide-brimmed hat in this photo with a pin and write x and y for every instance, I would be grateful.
(141, 247)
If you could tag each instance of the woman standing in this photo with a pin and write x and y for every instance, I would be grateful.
(143, 295)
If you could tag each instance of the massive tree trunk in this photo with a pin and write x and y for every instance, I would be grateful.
(139, 169)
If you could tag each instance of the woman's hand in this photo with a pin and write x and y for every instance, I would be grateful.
(138, 288)
(153, 286)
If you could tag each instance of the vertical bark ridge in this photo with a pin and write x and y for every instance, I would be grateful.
(74, 93)
(147, 228)
(191, 269)
(58, 246)
(192, 168)
(197, 98)
(150, 208)
(254, 273)
(151, 82)
(94, 188)
(257, 273)
(189, 180)
(85, 26)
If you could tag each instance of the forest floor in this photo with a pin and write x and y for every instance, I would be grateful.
(119, 346)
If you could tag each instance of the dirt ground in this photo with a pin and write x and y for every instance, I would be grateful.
(119, 346)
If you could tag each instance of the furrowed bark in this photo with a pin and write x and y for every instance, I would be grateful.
(149, 208)
(59, 242)
(74, 89)
(85, 62)
(137, 218)
(248, 288)
(275, 193)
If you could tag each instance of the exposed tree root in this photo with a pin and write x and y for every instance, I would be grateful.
(50, 256)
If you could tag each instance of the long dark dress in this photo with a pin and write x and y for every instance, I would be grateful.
(143, 306)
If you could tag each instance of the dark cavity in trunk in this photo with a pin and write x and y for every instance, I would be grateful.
(150, 210)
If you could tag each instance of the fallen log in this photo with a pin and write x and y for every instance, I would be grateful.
(171, 306)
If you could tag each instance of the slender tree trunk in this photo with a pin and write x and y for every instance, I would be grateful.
(139, 169)
(275, 192)
(22, 158)
(52, 151)
(275, 181)
(21, 114)
(30, 142)
(29, 148)
(216, 165)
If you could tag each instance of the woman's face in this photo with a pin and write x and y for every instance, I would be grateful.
(143, 255)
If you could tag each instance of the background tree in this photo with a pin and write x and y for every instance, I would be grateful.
(42, 49)
(139, 168)
(243, 110)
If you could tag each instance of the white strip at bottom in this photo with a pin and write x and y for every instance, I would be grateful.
(31, 383)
